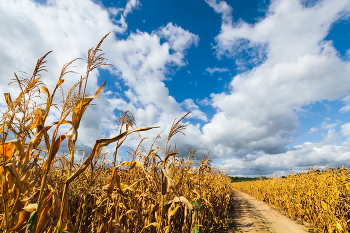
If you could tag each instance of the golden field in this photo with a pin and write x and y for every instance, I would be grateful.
(156, 191)
(320, 198)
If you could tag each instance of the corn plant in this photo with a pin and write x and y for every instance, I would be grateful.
(42, 191)
(321, 198)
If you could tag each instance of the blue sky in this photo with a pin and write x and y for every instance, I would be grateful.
(267, 81)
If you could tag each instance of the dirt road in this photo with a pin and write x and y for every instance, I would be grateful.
(256, 216)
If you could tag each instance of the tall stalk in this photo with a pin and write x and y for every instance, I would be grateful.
(95, 60)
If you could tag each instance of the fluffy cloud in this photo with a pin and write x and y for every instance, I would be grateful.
(295, 67)
(345, 129)
(255, 120)
(142, 61)
(297, 159)
(70, 28)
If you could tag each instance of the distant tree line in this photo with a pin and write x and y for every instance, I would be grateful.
(242, 179)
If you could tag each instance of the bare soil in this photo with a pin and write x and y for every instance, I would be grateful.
(252, 215)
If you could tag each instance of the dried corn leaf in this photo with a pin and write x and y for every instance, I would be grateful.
(7, 151)
(183, 200)
(31, 207)
(44, 217)
(22, 217)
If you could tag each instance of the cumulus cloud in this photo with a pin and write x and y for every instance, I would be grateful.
(294, 68)
(255, 120)
(331, 136)
(142, 62)
(70, 28)
(297, 159)
(345, 129)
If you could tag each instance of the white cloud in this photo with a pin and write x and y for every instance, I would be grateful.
(204, 102)
(143, 61)
(178, 38)
(313, 130)
(189, 105)
(297, 159)
(211, 71)
(287, 27)
(130, 6)
(332, 136)
(345, 129)
(221, 7)
(326, 125)
(297, 69)
(259, 112)
(70, 28)
(346, 108)
(114, 10)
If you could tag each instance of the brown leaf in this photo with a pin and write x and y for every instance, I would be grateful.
(79, 110)
(100, 89)
(45, 90)
(111, 182)
(22, 217)
(15, 176)
(59, 82)
(43, 216)
(98, 145)
(81, 106)
(56, 203)
(57, 144)
(7, 150)
(8, 101)
(35, 141)
(4, 186)
(31, 84)
(37, 121)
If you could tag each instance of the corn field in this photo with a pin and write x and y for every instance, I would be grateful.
(156, 191)
(320, 198)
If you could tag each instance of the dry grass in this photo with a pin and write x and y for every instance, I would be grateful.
(321, 198)
(44, 192)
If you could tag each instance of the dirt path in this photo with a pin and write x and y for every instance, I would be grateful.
(256, 216)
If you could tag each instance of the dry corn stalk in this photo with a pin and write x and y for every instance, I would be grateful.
(44, 192)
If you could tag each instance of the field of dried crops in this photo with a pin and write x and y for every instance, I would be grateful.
(156, 191)
(320, 198)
